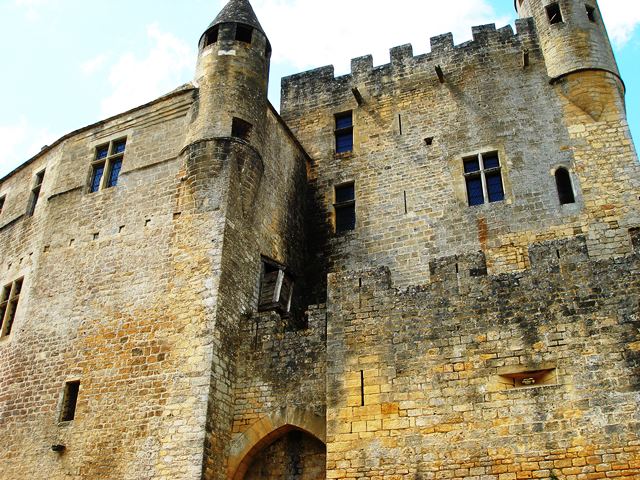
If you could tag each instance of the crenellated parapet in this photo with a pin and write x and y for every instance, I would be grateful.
(313, 85)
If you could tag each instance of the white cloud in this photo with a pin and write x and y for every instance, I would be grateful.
(138, 80)
(622, 18)
(94, 65)
(21, 141)
(309, 34)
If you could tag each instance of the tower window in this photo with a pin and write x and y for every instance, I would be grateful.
(591, 13)
(105, 169)
(483, 178)
(276, 288)
(244, 33)
(345, 207)
(69, 401)
(2, 199)
(35, 193)
(240, 129)
(344, 132)
(9, 305)
(554, 13)
(564, 186)
(211, 36)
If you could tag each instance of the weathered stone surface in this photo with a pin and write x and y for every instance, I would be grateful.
(433, 341)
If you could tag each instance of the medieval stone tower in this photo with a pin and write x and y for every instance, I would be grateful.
(421, 270)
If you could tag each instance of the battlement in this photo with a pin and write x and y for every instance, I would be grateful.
(461, 274)
(487, 40)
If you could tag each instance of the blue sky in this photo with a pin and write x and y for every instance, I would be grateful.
(69, 63)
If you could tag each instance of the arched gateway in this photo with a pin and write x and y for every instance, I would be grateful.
(290, 441)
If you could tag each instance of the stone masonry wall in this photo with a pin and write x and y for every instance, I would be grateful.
(411, 201)
(112, 297)
(436, 400)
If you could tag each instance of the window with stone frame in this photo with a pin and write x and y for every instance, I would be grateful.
(483, 178)
(554, 14)
(345, 207)
(2, 199)
(276, 288)
(9, 299)
(35, 193)
(344, 132)
(564, 186)
(69, 401)
(106, 166)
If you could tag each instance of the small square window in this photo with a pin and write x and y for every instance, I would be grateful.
(107, 165)
(241, 129)
(344, 132)
(345, 208)
(554, 14)
(244, 33)
(591, 13)
(69, 401)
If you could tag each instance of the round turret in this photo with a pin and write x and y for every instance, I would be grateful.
(232, 75)
(572, 35)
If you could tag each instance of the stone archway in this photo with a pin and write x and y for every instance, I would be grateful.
(279, 425)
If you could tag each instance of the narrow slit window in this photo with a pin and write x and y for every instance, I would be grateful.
(483, 178)
(2, 199)
(565, 187)
(591, 13)
(106, 167)
(241, 129)
(344, 132)
(35, 193)
(9, 306)
(69, 401)
(276, 288)
(244, 33)
(554, 14)
(345, 208)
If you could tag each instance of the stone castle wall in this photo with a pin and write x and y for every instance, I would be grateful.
(435, 362)
(411, 203)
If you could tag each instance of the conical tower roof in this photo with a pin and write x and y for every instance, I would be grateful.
(237, 11)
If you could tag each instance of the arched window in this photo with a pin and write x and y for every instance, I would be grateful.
(565, 188)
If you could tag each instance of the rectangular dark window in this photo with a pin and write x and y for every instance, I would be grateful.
(554, 13)
(116, 166)
(2, 203)
(276, 288)
(9, 305)
(483, 178)
(96, 176)
(107, 164)
(344, 132)
(241, 129)
(345, 207)
(69, 401)
(212, 36)
(35, 193)
(591, 13)
(244, 33)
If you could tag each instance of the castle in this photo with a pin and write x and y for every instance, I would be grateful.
(423, 270)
